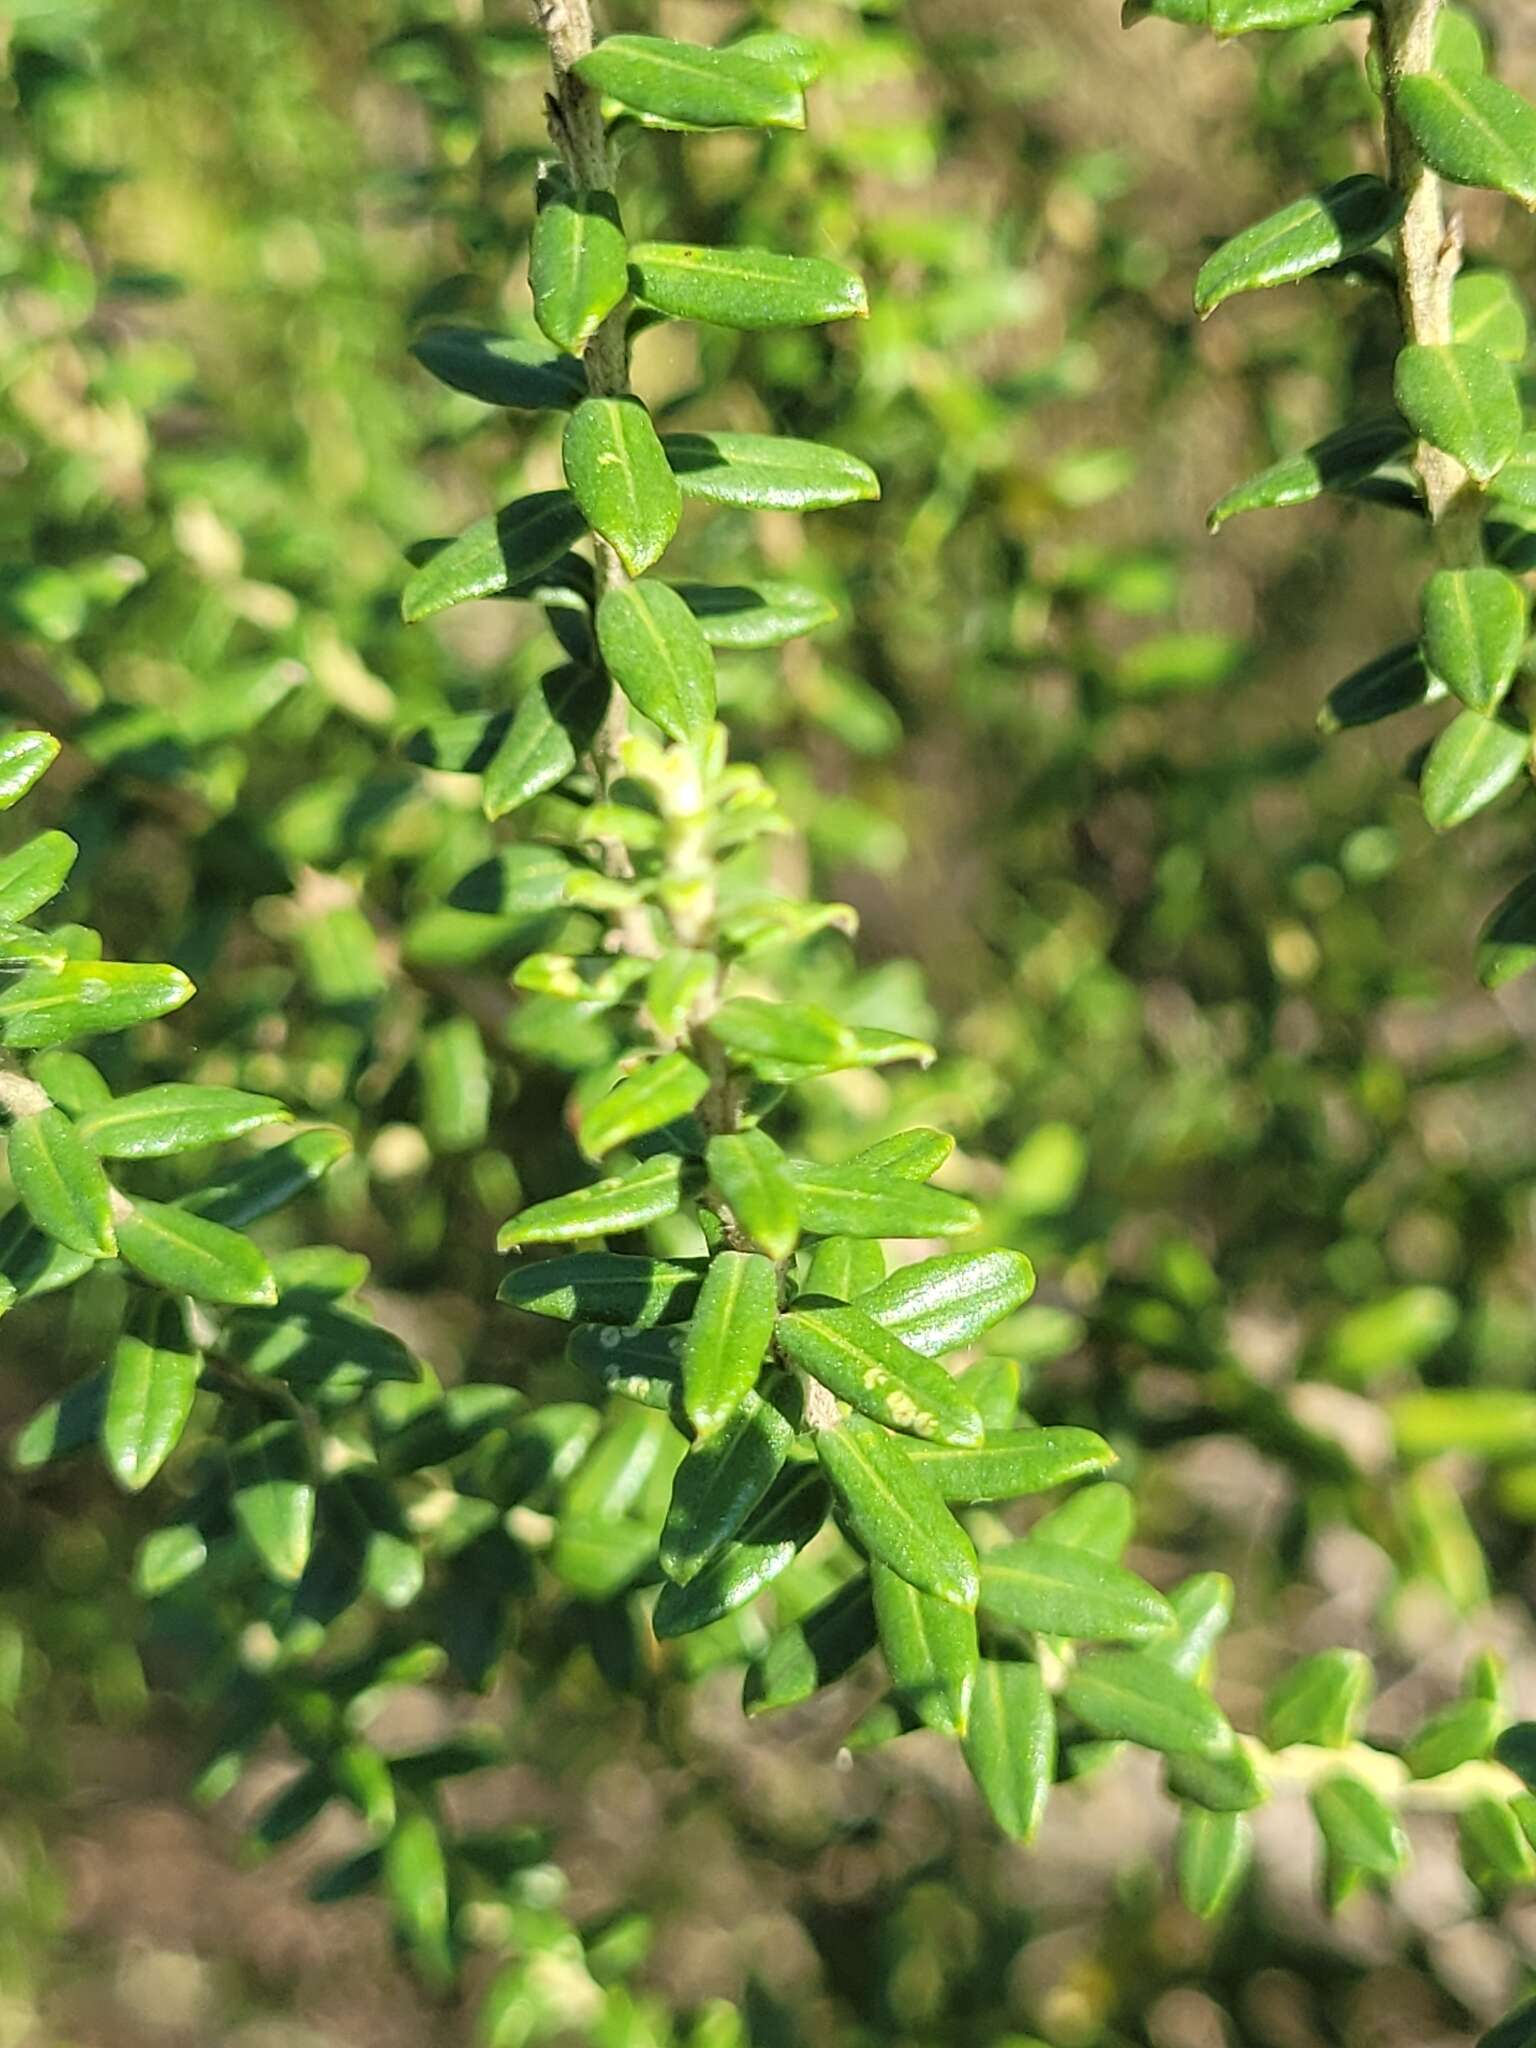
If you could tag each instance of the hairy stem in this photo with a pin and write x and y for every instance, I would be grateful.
(1428, 259)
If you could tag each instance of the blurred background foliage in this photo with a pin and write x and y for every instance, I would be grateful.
(1211, 1041)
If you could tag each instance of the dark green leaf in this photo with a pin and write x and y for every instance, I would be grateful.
(192, 1255)
(495, 554)
(1306, 236)
(621, 479)
(149, 1398)
(1472, 763)
(815, 1652)
(895, 1512)
(553, 726)
(1336, 463)
(34, 874)
(628, 1201)
(655, 652)
(929, 1646)
(60, 1183)
(1473, 130)
(719, 1483)
(768, 472)
(941, 1304)
(1124, 1696)
(750, 1172)
(1012, 1462)
(642, 1365)
(1463, 400)
(1040, 1587)
(857, 1201)
(576, 265)
(743, 288)
(499, 370)
(691, 86)
(85, 999)
(176, 1118)
(655, 1094)
(273, 1498)
(875, 1372)
(728, 1338)
(1474, 633)
(1010, 1745)
(741, 617)
(603, 1287)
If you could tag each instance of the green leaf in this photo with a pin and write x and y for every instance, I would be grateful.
(609, 1480)
(176, 1118)
(1517, 2030)
(655, 1094)
(914, 1155)
(59, 1183)
(495, 554)
(1474, 633)
(576, 265)
(750, 1173)
(86, 999)
(1495, 1850)
(191, 1255)
(1041, 1587)
(1243, 17)
(150, 1391)
(941, 1304)
(415, 1874)
(554, 724)
(273, 1498)
(1336, 463)
(35, 873)
(742, 618)
(168, 1558)
(929, 1646)
(785, 1522)
(627, 1201)
(895, 1512)
(653, 648)
(695, 87)
(499, 370)
(61, 1427)
(1472, 763)
(1506, 946)
(754, 1028)
(876, 1373)
(768, 472)
(25, 757)
(1463, 400)
(621, 479)
(325, 1354)
(1124, 1696)
(1229, 1783)
(748, 289)
(1458, 1734)
(258, 1186)
(72, 1081)
(603, 1287)
(842, 1267)
(641, 1365)
(721, 1480)
(1473, 130)
(1011, 1462)
(855, 1201)
(1398, 680)
(1203, 1607)
(1515, 483)
(1099, 1518)
(1488, 312)
(1210, 1859)
(794, 56)
(1321, 1700)
(729, 1336)
(1304, 237)
(1362, 1834)
(813, 1652)
(1010, 1745)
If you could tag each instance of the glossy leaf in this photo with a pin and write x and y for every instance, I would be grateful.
(941, 1304)
(1041, 1587)
(603, 1287)
(1473, 130)
(1124, 1696)
(813, 1652)
(25, 757)
(620, 478)
(877, 1374)
(929, 1646)
(1474, 633)
(150, 1391)
(576, 265)
(627, 1201)
(85, 999)
(273, 1498)
(1398, 680)
(1011, 1462)
(748, 289)
(841, 1268)
(641, 1365)
(741, 618)
(193, 1255)
(1470, 765)
(1488, 312)
(655, 652)
(895, 1513)
(1336, 463)
(653, 1095)
(752, 1176)
(1462, 399)
(552, 727)
(495, 555)
(176, 1118)
(1010, 1745)
(721, 1480)
(728, 1337)
(500, 370)
(35, 873)
(1506, 946)
(694, 87)
(60, 1183)
(1304, 237)
(855, 1201)
(782, 1525)
(768, 472)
